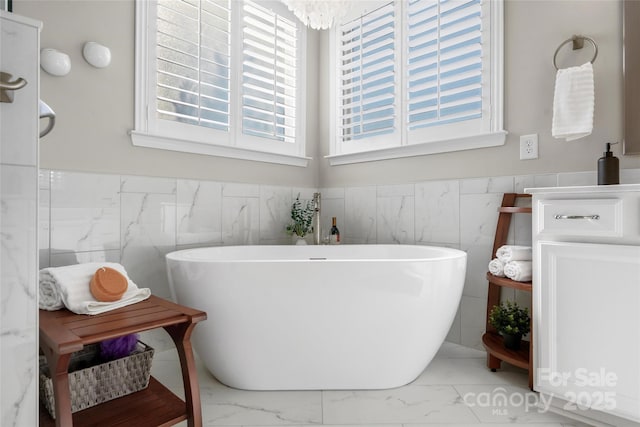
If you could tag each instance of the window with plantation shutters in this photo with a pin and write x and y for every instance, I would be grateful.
(367, 75)
(221, 77)
(268, 74)
(194, 62)
(444, 62)
(440, 89)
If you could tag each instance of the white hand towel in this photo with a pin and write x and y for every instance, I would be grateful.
(573, 102)
(69, 287)
(508, 253)
(520, 271)
(496, 267)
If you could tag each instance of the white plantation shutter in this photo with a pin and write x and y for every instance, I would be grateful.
(269, 67)
(424, 76)
(444, 62)
(193, 62)
(221, 77)
(368, 84)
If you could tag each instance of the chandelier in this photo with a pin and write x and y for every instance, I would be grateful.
(318, 14)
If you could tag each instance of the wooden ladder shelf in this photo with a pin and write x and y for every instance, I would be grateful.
(492, 341)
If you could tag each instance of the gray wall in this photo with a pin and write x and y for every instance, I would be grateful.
(95, 107)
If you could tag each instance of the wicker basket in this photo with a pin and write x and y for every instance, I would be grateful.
(91, 384)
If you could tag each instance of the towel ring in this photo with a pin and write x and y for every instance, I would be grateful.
(578, 43)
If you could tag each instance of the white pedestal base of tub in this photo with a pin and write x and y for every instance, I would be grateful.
(319, 317)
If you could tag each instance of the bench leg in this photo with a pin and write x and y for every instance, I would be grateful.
(58, 367)
(181, 335)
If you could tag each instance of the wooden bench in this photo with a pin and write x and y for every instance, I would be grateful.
(63, 332)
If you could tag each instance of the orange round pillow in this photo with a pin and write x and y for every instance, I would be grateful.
(108, 285)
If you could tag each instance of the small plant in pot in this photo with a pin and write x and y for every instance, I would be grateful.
(301, 219)
(511, 321)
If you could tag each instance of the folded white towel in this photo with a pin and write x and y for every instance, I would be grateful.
(69, 287)
(508, 253)
(496, 267)
(520, 271)
(573, 102)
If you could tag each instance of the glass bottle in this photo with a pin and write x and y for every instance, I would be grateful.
(335, 233)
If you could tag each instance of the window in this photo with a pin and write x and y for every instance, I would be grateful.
(417, 77)
(221, 77)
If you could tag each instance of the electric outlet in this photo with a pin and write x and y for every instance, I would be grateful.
(529, 146)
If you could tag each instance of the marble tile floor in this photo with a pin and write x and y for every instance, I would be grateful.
(455, 390)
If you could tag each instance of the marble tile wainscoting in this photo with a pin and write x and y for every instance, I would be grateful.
(137, 220)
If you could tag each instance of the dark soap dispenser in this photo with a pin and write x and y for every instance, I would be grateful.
(608, 168)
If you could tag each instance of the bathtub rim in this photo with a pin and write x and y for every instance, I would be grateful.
(448, 254)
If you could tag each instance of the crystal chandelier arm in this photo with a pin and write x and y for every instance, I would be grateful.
(318, 14)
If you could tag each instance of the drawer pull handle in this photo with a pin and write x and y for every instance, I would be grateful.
(577, 217)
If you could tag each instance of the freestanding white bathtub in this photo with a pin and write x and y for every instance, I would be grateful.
(319, 317)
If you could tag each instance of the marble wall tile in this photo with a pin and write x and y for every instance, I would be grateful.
(332, 205)
(577, 179)
(240, 214)
(454, 334)
(88, 221)
(437, 212)
(523, 182)
(44, 210)
(360, 213)
(231, 189)
(275, 214)
(498, 184)
(478, 219)
(305, 193)
(332, 192)
(18, 298)
(395, 214)
(19, 373)
(18, 250)
(399, 190)
(199, 212)
(148, 234)
(85, 212)
(473, 314)
(147, 184)
(70, 258)
(630, 176)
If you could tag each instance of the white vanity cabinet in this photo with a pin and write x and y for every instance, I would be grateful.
(586, 301)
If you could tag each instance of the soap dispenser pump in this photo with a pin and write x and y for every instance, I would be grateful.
(608, 168)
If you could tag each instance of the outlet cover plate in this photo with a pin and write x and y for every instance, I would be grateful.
(529, 146)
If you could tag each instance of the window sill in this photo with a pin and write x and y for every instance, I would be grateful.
(142, 139)
(493, 139)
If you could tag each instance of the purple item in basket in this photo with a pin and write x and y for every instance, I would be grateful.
(118, 347)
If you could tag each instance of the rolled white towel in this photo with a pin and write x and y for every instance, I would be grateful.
(520, 271)
(69, 287)
(49, 298)
(496, 267)
(508, 253)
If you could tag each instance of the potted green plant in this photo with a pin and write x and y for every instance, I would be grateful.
(511, 321)
(301, 219)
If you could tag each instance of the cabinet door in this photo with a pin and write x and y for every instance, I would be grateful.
(589, 326)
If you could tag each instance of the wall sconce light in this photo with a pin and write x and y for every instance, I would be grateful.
(55, 62)
(96, 54)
